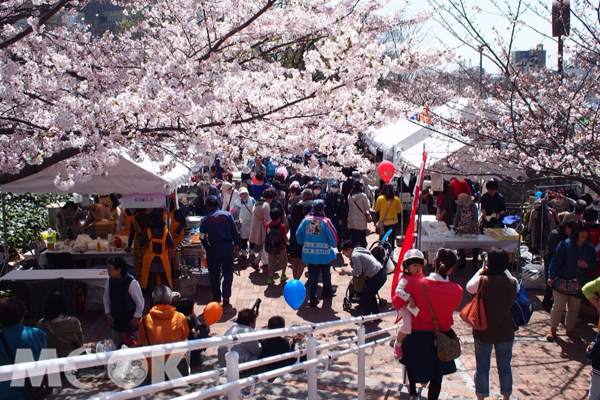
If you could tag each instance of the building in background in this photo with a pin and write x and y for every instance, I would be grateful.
(531, 60)
(102, 16)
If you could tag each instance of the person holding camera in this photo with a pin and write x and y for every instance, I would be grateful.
(248, 351)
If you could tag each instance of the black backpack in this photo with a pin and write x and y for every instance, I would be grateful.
(273, 240)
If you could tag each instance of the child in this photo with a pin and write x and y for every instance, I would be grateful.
(198, 330)
(275, 246)
(412, 266)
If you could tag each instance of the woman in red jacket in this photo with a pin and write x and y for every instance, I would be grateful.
(419, 349)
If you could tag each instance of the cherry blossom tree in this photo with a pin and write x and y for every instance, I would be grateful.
(194, 80)
(536, 121)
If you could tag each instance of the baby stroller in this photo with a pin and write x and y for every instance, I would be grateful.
(382, 251)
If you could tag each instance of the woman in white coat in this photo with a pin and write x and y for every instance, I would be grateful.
(243, 206)
(358, 207)
(260, 217)
(229, 196)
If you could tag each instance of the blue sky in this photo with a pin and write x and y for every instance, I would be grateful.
(486, 19)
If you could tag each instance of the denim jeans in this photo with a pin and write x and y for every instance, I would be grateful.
(313, 279)
(483, 355)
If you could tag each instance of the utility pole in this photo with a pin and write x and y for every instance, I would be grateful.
(561, 26)
(481, 71)
(560, 57)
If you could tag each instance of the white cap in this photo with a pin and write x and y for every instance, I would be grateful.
(413, 253)
(243, 190)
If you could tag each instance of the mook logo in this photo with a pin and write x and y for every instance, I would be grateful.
(125, 371)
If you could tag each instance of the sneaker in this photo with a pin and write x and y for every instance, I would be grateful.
(244, 253)
(331, 293)
(226, 302)
(573, 334)
(284, 277)
(270, 281)
(551, 336)
(313, 302)
(398, 352)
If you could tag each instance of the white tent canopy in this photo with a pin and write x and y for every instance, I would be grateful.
(408, 138)
(126, 177)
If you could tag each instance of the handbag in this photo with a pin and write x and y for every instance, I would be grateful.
(448, 344)
(473, 313)
(182, 365)
(368, 215)
(30, 392)
(567, 286)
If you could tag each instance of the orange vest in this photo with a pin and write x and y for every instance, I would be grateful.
(126, 222)
(149, 257)
(174, 226)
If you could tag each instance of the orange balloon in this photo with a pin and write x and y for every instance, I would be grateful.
(213, 312)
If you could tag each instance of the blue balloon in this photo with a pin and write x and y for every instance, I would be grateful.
(538, 194)
(294, 293)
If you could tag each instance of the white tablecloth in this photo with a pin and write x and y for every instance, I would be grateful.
(89, 255)
(436, 235)
(95, 277)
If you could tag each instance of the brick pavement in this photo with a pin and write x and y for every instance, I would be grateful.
(541, 370)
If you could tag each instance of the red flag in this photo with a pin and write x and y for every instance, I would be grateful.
(408, 237)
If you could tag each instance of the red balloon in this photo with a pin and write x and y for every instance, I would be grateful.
(386, 170)
(213, 312)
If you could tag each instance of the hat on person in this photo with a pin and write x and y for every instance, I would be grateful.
(464, 199)
(246, 170)
(334, 183)
(295, 183)
(243, 190)
(317, 182)
(319, 205)
(413, 253)
(226, 186)
(580, 205)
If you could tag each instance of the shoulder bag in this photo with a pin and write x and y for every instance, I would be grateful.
(567, 286)
(570, 286)
(368, 216)
(182, 366)
(30, 392)
(473, 313)
(380, 227)
(448, 348)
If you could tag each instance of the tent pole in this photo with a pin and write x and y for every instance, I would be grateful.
(402, 213)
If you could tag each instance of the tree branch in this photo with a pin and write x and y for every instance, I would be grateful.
(34, 169)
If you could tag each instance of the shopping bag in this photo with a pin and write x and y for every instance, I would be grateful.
(473, 313)
(522, 309)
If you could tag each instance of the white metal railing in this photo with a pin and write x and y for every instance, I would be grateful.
(356, 345)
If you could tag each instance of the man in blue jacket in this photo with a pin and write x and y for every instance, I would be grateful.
(318, 236)
(220, 237)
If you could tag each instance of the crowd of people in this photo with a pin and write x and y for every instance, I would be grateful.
(287, 219)
(305, 222)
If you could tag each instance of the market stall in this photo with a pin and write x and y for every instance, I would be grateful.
(136, 180)
(435, 234)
